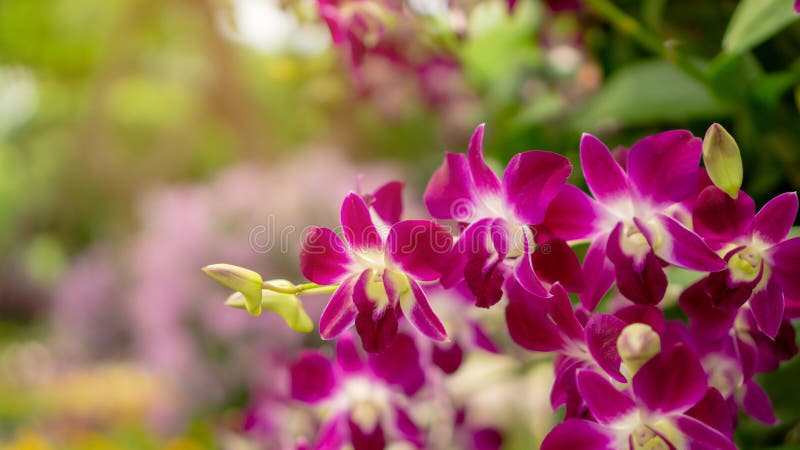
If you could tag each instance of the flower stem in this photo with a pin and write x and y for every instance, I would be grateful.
(306, 288)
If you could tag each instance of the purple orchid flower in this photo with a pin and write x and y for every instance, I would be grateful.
(797, 6)
(631, 220)
(379, 269)
(498, 242)
(668, 405)
(761, 261)
(364, 401)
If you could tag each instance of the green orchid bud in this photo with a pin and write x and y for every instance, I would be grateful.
(242, 280)
(637, 344)
(723, 160)
(288, 306)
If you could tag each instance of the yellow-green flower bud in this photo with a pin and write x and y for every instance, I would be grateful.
(637, 344)
(288, 306)
(723, 160)
(242, 280)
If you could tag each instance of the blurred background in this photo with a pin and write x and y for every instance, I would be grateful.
(143, 139)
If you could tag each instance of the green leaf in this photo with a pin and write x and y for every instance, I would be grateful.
(646, 93)
(755, 21)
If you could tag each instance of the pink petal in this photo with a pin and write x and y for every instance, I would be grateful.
(573, 215)
(663, 167)
(700, 436)
(312, 377)
(531, 181)
(555, 262)
(720, 219)
(713, 411)
(377, 328)
(525, 273)
(447, 357)
(357, 226)
(605, 177)
(400, 364)
(323, 257)
(340, 311)
(607, 404)
(420, 247)
(673, 381)
(528, 322)
(578, 434)
(767, 306)
(387, 202)
(756, 403)
(486, 182)
(708, 322)
(775, 219)
(449, 194)
(598, 273)
(642, 282)
(682, 247)
(347, 355)
(784, 261)
(602, 331)
(418, 311)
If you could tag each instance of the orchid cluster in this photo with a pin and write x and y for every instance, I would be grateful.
(627, 375)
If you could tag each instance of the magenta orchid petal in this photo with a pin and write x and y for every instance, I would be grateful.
(602, 331)
(607, 404)
(420, 248)
(449, 194)
(708, 321)
(528, 321)
(312, 377)
(377, 328)
(682, 247)
(333, 433)
(713, 411)
(672, 381)
(387, 201)
(340, 311)
(531, 180)
(357, 226)
(555, 262)
(418, 311)
(797, 6)
(598, 273)
(578, 434)
(447, 357)
(784, 261)
(400, 364)
(774, 220)
(407, 428)
(374, 439)
(573, 215)
(486, 181)
(720, 219)
(664, 167)
(525, 274)
(323, 257)
(348, 358)
(643, 281)
(700, 436)
(767, 306)
(756, 403)
(606, 179)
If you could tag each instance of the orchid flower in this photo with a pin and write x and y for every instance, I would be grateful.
(668, 405)
(498, 241)
(762, 262)
(363, 402)
(378, 269)
(631, 220)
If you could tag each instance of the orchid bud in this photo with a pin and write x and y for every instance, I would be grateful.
(288, 306)
(723, 160)
(242, 280)
(637, 344)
